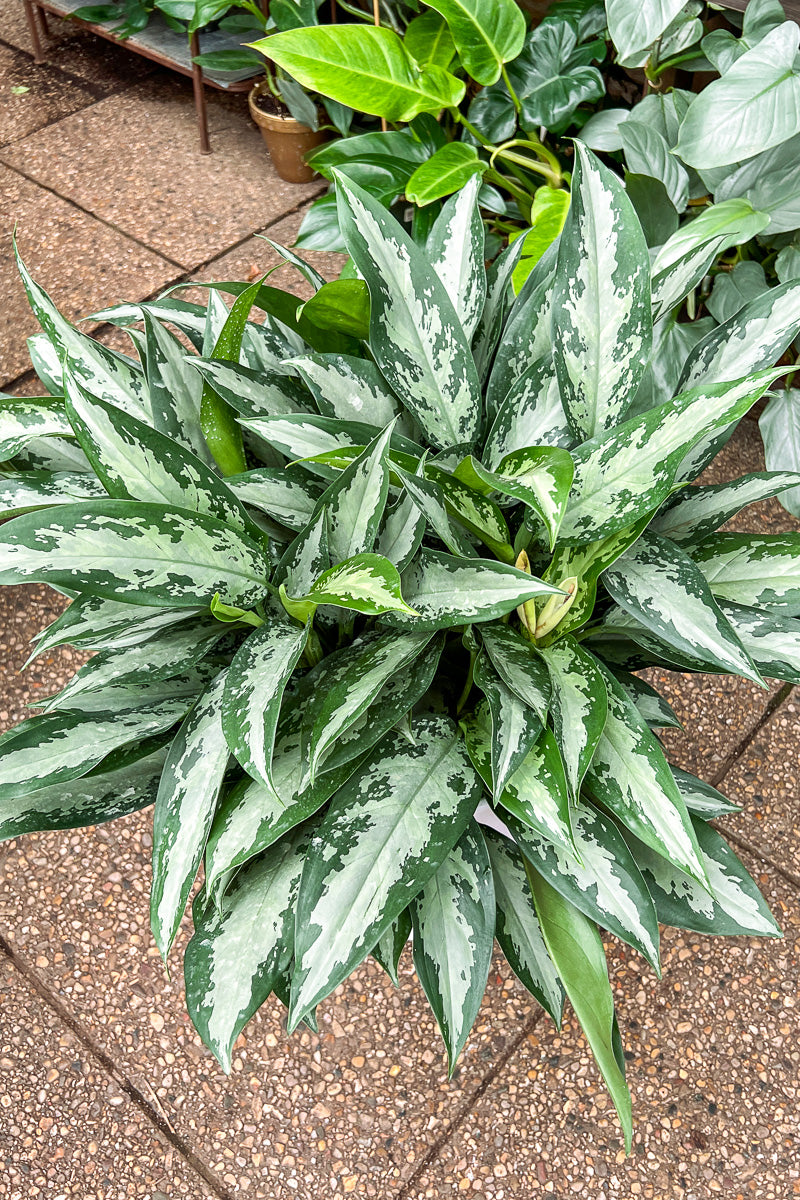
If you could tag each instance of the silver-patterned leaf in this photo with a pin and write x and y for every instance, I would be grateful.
(515, 726)
(22, 419)
(351, 389)
(499, 296)
(527, 336)
(539, 476)
(780, 430)
(753, 570)
(23, 492)
(381, 840)
(453, 918)
(249, 392)
(355, 501)
(695, 512)
(365, 583)
(602, 323)
(531, 415)
(94, 623)
(430, 501)
(701, 799)
(414, 329)
(306, 558)
(174, 388)
(771, 639)
(579, 705)
(285, 493)
(401, 533)
(519, 666)
(187, 796)
(389, 947)
(455, 248)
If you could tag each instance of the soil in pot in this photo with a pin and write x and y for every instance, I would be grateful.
(286, 139)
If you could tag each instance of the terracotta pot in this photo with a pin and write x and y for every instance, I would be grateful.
(287, 140)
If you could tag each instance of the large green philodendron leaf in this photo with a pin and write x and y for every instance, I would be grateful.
(754, 106)
(453, 919)
(415, 333)
(384, 836)
(602, 322)
(487, 34)
(187, 795)
(367, 68)
(452, 166)
(635, 26)
(517, 927)
(574, 945)
(239, 950)
(134, 552)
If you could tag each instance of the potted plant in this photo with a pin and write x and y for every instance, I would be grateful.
(368, 593)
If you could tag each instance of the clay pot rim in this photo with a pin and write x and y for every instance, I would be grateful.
(278, 124)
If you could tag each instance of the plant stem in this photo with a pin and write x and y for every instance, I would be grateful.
(511, 92)
(470, 128)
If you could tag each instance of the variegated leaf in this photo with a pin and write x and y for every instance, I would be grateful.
(660, 587)
(23, 492)
(22, 419)
(98, 797)
(286, 494)
(356, 499)
(415, 334)
(366, 583)
(401, 533)
(600, 878)
(479, 515)
(430, 501)
(628, 472)
(579, 705)
(94, 623)
(253, 691)
(135, 462)
(304, 436)
(540, 477)
(389, 947)
(306, 558)
(50, 750)
(517, 927)
(574, 945)
(602, 323)
(537, 791)
(248, 391)
(499, 296)
(753, 570)
(771, 640)
(701, 799)
(654, 708)
(351, 389)
(453, 918)
(695, 512)
(734, 907)
(531, 415)
(519, 666)
(187, 796)
(446, 591)
(382, 839)
(515, 726)
(455, 249)
(126, 550)
(238, 950)
(174, 388)
(630, 776)
(527, 336)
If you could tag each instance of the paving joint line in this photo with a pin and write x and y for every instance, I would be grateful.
(447, 1133)
(759, 853)
(732, 757)
(90, 1043)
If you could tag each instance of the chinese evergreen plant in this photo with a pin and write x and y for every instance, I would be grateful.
(366, 608)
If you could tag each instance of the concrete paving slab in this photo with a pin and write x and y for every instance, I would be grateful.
(81, 262)
(48, 95)
(67, 1128)
(134, 160)
(72, 48)
(713, 1061)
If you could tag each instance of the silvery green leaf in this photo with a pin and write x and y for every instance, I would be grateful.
(527, 337)
(629, 471)
(685, 257)
(751, 570)
(253, 691)
(382, 839)
(187, 796)
(359, 673)
(603, 129)
(188, 318)
(653, 707)
(415, 334)
(647, 153)
(771, 183)
(366, 583)
(309, 273)
(389, 947)
(249, 392)
(182, 689)
(579, 705)
(780, 428)
(94, 623)
(515, 726)
(453, 918)
(672, 342)
(602, 323)
(355, 501)
(126, 550)
(481, 516)
(531, 415)
(53, 454)
(54, 749)
(734, 289)
(136, 462)
(306, 558)
(539, 476)
(701, 799)
(600, 878)
(519, 666)
(659, 585)
(286, 494)
(537, 791)
(401, 533)
(28, 490)
(574, 945)
(498, 300)
(734, 906)
(751, 340)
(760, 97)
(174, 388)
(771, 640)
(45, 362)
(634, 27)
(430, 501)
(446, 591)
(303, 435)
(22, 419)
(351, 389)
(630, 776)
(695, 512)
(455, 248)
(239, 949)
(517, 927)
